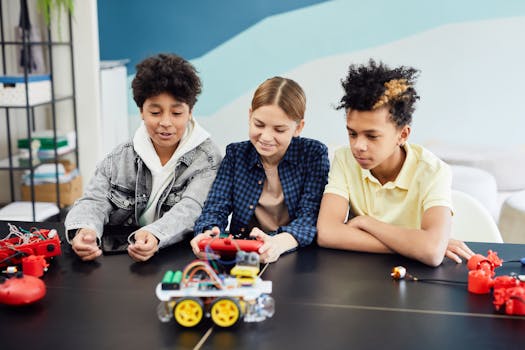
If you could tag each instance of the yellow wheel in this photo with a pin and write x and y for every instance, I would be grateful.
(188, 312)
(225, 312)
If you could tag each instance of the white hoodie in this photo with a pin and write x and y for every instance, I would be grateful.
(162, 175)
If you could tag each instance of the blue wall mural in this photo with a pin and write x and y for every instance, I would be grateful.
(135, 29)
(465, 50)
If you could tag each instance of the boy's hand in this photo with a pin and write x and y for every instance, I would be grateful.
(457, 249)
(84, 244)
(358, 221)
(145, 246)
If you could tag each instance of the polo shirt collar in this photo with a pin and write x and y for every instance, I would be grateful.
(404, 177)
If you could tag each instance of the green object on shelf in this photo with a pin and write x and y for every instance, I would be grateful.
(45, 142)
(25, 162)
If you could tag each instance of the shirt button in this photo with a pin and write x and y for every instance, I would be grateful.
(251, 206)
(259, 182)
(242, 229)
(126, 203)
(130, 221)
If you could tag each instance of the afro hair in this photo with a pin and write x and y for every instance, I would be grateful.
(166, 73)
(365, 85)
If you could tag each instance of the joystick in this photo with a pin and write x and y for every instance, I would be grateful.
(229, 246)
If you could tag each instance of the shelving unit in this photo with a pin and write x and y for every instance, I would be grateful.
(49, 47)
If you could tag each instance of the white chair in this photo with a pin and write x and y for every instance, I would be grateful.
(478, 183)
(472, 222)
(512, 218)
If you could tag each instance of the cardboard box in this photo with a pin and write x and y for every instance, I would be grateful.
(13, 90)
(69, 192)
(68, 165)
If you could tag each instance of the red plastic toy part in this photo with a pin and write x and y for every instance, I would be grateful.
(488, 263)
(22, 290)
(479, 282)
(34, 265)
(229, 246)
(510, 300)
(40, 242)
(509, 291)
(481, 272)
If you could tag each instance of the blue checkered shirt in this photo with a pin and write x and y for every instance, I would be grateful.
(303, 173)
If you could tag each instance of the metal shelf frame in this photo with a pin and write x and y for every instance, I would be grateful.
(30, 108)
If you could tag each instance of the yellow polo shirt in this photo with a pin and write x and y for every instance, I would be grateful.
(423, 182)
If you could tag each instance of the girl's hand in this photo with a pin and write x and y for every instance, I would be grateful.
(214, 232)
(273, 246)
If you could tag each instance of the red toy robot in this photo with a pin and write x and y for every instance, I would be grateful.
(508, 291)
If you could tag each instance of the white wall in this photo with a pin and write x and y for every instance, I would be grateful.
(86, 47)
(114, 101)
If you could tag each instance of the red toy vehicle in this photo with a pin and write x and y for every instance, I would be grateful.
(18, 244)
(199, 291)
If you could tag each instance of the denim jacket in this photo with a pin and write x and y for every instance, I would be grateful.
(119, 191)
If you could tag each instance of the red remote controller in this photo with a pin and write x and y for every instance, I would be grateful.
(229, 246)
(22, 290)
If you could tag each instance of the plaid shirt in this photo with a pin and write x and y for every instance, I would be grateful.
(303, 173)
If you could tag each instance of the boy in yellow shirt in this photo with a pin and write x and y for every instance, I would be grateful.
(398, 194)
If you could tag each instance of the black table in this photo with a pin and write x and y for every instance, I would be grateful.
(325, 299)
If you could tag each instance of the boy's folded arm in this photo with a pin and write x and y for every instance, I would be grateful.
(364, 233)
(427, 244)
(333, 232)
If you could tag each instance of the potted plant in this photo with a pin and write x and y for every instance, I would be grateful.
(51, 8)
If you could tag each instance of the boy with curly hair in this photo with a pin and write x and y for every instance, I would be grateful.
(398, 194)
(159, 180)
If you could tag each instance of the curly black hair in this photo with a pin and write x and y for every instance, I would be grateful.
(365, 84)
(166, 73)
